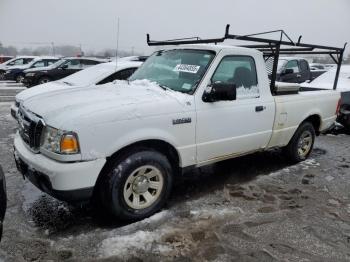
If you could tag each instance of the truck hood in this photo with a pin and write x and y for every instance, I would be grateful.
(51, 87)
(118, 101)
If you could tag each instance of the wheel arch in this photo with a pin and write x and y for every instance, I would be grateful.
(152, 144)
(315, 120)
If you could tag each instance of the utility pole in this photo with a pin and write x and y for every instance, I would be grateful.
(81, 50)
(116, 52)
(53, 48)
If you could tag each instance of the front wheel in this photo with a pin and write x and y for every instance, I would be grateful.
(301, 144)
(137, 186)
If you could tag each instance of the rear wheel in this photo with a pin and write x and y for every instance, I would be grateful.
(301, 144)
(136, 186)
(44, 80)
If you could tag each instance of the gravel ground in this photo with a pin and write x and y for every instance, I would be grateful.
(254, 208)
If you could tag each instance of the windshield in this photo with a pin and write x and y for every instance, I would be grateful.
(180, 70)
(89, 76)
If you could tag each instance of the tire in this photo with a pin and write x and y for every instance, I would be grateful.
(301, 144)
(2, 75)
(137, 186)
(19, 78)
(44, 80)
(344, 118)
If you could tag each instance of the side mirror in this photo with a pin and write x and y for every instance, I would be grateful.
(288, 71)
(64, 67)
(219, 91)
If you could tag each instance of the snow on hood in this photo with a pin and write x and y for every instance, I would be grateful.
(42, 89)
(105, 103)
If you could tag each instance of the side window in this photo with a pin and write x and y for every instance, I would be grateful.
(73, 64)
(241, 71)
(39, 64)
(293, 64)
(50, 62)
(121, 75)
(87, 63)
(303, 66)
(125, 74)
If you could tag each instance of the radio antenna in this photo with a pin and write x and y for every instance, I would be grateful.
(116, 53)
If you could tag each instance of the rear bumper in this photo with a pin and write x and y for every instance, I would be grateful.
(71, 182)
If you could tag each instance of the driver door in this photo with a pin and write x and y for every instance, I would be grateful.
(227, 128)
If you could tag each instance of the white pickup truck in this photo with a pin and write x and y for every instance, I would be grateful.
(187, 106)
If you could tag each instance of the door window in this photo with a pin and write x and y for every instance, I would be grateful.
(50, 62)
(121, 75)
(88, 63)
(73, 64)
(293, 64)
(241, 71)
(303, 66)
(39, 64)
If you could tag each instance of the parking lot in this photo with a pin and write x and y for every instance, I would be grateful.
(8, 90)
(254, 208)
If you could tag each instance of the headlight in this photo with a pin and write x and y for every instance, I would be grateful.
(30, 74)
(8, 71)
(60, 142)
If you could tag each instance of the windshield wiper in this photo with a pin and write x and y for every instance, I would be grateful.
(163, 87)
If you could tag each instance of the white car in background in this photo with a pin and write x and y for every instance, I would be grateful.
(90, 77)
(17, 61)
(325, 81)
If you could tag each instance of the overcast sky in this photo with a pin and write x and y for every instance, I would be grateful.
(93, 22)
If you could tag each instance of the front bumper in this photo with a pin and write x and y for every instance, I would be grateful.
(71, 182)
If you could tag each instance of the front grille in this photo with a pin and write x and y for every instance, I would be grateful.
(30, 128)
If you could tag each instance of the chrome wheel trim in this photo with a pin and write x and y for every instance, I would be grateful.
(305, 143)
(143, 187)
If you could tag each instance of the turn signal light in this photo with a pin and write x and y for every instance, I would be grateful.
(69, 144)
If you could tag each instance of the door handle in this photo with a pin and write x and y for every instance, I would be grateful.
(298, 75)
(259, 108)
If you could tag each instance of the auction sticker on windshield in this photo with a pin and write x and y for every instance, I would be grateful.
(193, 69)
